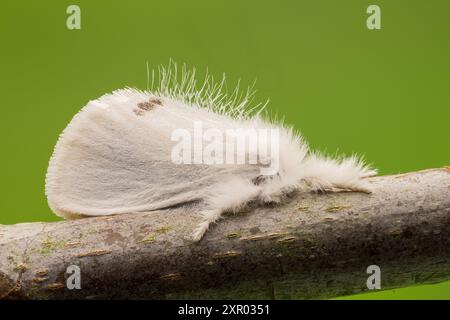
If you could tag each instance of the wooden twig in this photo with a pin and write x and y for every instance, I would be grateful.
(314, 246)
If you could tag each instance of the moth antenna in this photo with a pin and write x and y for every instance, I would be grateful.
(148, 76)
(210, 93)
(153, 79)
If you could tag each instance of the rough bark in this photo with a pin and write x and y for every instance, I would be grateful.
(314, 246)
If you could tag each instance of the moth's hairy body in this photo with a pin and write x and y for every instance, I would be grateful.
(115, 157)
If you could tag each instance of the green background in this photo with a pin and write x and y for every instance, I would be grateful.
(384, 93)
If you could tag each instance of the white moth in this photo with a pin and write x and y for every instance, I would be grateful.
(117, 155)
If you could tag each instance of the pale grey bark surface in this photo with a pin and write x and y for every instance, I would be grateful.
(314, 246)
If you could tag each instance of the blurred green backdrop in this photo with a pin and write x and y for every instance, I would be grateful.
(384, 93)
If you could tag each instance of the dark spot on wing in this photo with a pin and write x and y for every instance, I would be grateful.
(147, 106)
(155, 101)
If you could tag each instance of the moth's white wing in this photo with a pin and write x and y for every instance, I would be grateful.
(115, 157)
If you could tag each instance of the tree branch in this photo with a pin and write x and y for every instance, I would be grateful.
(314, 246)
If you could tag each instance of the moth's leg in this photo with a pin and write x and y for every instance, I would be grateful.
(228, 196)
(208, 216)
(275, 188)
(322, 173)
